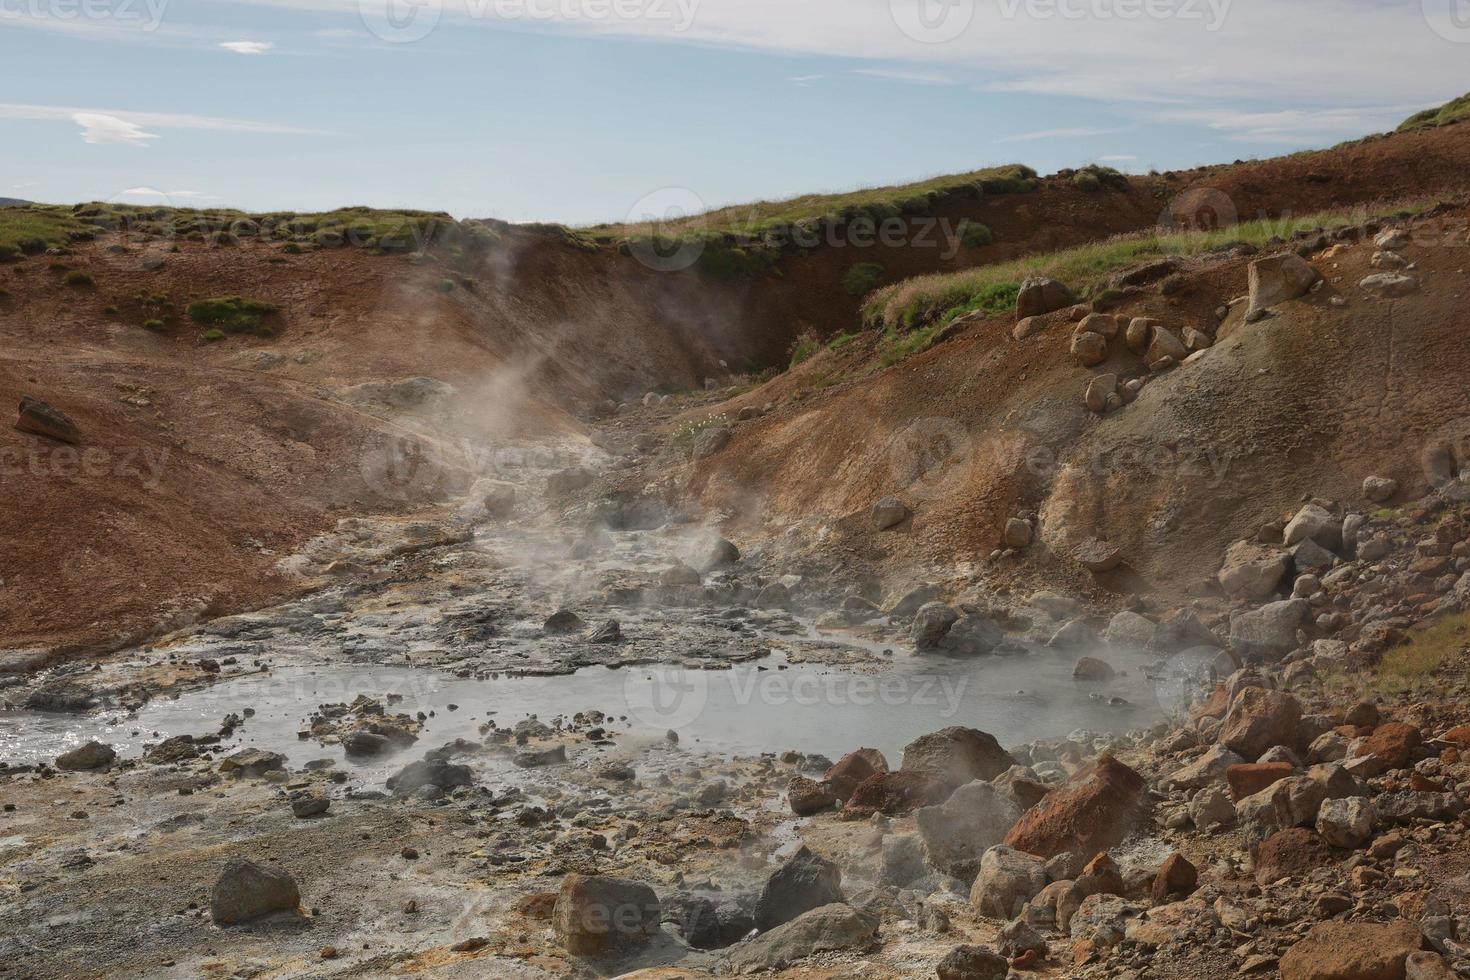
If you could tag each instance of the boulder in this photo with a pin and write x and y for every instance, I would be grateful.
(1250, 778)
(1290, 802)
(430, 772)
(848, 772)
(903, 859)
(972, 635)
(890, 512)
(1252, 571)
(1352, 951)
(912, 601)
(1278, 278)
(1212, 808)
(712, 441)
(39, 418)
(1022, 786)
(931, 623)
(1097, 556)
(1291, 853)
(1315, 523)
(827, 928)
(1164, 345)
(807, 796)
(959, 831)
(1129, 630)
(1090, 349)
(569, 480)
(1390, 284)
(956, 755)
(305, 803)
(1178, 877)
(1017, 534)
(972, 963)
(1093, 670)
(1040, 295)
(805, 882)
(1392, 743)
(1346, 823)
(246, 891)
(1006, 881)
(93, 755)
(598, 914)
(715, 552)
(1095, 812)
(1380, 490)
(1208, 768)
(1259, 719)
(252, 763)
(1098, 392)
(1140, 333)
(1073, 636)
(1269, 633)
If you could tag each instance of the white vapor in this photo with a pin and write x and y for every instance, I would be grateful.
(101, 129)
(247, 47)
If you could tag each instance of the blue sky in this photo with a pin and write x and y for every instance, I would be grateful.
(575, 110)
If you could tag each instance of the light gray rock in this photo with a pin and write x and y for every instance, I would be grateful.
(889, 512)
(1346, 822)
(931, 623)
(1270, 631)
(1206, 770)
(1008, 879)
(972, 635)
(1129, 630)
(825, 929)
(1315, 523)
(1278, 278)
(1252, 571)
(958, 832)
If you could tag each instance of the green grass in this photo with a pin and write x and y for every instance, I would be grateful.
(210, 336)
(685, 435)
(1456, 110)
(842, 340)
(862, 278)
(806, 345)
(943, 296)
(79, 280)
(32, 229)
(747, 240)
(1413, 664)
(154, 325)
(897, 346)
(973, 234)
(231, 314)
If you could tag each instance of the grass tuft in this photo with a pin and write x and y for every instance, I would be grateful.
(862, 278)
(231, 314)
(1456, 110)
(1413, 664)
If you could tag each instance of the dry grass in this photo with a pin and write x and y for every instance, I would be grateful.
(1414, 664)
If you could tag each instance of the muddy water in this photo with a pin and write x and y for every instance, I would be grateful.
(765, 706)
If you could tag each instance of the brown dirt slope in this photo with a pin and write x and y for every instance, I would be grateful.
(982, 428)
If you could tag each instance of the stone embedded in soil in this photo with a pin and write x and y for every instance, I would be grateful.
(973, 963)
(1352, 951)
(931, 623)
(1040, 295)
(307, 804)
(536, 758)
(245, 891)
(599, 914)
(1291, 853)
(1178, 877)
(93, 755)
(827, 928)
(889, 512)
(805, 882)
(252, 763)
(561, 622)
(1259, 719)
(430, 772)
(39, 418)
(1093, 669)
(1097, 556)
(1278, 278)
(1250, 778)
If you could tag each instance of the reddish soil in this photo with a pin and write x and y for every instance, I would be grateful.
(251, 450)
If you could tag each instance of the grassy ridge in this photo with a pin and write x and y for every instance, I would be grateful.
(1456, 110)
(940, 298)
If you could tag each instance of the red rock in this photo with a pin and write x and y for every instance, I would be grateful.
(1250, 778)
(1423, 784)
(1393, 742)
(1291, 854)
(1101, 877)
(956, 756)
(1352, 951)
(850, 770)
(1214, 706)
(1093, 813)
(1460, 736)
(1178, 877)
(894, 794)
(1260, 719)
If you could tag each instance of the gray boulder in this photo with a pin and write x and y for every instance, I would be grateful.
(1252, 571)
(931, 623)
(971, 635)
(959, 831)
(1129, 630)
(1007, 880)
(806, 881)
(246, 891)
(1316, 523)
(1268, 633)
(827, 928)
(1040, 295)
(889, 512)
(598, 914)
(93, 755)
(1278, 278)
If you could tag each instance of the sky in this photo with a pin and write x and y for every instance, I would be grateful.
(582, 111)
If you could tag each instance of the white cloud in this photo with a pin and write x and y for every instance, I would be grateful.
(1117, 158)
(1051, 134)
(150, 192)
(247, 47)
(805, 79)
(100, 129)
(906, 75)
(1289, 125)
(126, 126)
